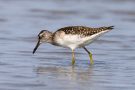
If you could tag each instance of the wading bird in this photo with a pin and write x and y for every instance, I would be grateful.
(72, 37)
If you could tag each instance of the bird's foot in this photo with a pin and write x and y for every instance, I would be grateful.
(91, 59)
(73, 61)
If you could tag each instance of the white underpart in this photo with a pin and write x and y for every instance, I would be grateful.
(74, 41)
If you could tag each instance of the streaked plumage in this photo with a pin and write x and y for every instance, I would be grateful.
(72, 37)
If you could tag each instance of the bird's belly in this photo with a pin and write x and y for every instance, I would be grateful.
(75, 41)
(67, 44)
(72, 41)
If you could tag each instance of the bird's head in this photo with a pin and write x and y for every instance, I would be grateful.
(43, 36)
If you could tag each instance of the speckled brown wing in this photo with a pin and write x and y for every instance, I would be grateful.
(83, 31)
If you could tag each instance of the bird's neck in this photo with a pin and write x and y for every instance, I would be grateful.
(50, 40)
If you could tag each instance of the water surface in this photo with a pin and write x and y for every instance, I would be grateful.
(50, 68)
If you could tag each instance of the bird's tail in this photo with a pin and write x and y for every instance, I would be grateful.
(108, 28)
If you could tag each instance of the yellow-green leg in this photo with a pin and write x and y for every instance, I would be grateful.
(73, 57)
(90, 55)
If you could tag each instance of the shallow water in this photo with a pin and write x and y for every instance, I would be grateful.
(50, 68)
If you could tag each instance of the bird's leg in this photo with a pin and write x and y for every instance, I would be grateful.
(90, 55)
(73, 57)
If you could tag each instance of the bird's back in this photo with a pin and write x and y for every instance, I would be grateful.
(83, 30)
(78, 36)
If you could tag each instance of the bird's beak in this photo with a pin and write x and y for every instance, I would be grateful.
(38, 43)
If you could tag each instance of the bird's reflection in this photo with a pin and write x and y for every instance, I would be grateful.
(66, 73)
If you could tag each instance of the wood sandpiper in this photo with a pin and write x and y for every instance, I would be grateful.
(72, 37)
